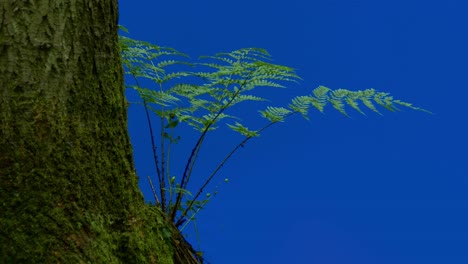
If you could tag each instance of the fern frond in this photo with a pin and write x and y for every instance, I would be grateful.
(200, 103)
(189, 90)
(386, 100)
(301, 104)
(143, 59)
(260, 53)
(165, 63)
(245, 54)
(210, 118)
(156, 97)
(321, 92)
(195, 122)
(247, 97)
(336, 99)
(261, 83)
(247, 63)
(199, 123)
(365, 97)
(275, 71)
(275, 114)
(124, 29)
(145, 50)
(321, 96)
(223, 82)
(409, 105)
(238, 127)
(175, 75)
(214, 65)
(351, 100)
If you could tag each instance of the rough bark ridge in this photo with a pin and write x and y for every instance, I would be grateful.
(68, 189)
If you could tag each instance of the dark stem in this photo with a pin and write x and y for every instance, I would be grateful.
(154, 191)
(181, 219)
(163, 180)
(196, 149)
(153, 145)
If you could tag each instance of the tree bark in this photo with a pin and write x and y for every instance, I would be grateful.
(68, 188)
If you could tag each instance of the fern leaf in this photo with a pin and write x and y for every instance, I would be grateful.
(198, 123)
(174, 75)
(189, 90)
(247, 97)
(219, 58)
(165, 63)
(238, 127)
(319, 99)
(275, 114)
(351, 101)
(261, 83)
(301, 104)
(337, 98)
(156, 97)
(210, 118)
(323, 95)
(409, 105)
(321, 92)
(180, 190)
(384, 100)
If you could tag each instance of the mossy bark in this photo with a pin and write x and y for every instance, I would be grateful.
(68, 188)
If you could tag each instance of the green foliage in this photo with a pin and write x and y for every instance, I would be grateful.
(238, 127)
(202, 93)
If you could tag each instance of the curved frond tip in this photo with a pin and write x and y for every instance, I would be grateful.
(340, 98)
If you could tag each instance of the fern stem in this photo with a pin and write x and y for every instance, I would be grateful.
(194, 214)
(162, 181)
(221, 164)
(168, 173)
(163, 165)
(153, 145)
(196, 149)
(155, 156)
(154, 191)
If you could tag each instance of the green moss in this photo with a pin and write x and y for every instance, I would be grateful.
(68, 189)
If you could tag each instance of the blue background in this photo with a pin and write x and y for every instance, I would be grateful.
(365, 189)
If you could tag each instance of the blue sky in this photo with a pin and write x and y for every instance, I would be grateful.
(365, 189)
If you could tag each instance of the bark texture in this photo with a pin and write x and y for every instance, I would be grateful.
(68, 188)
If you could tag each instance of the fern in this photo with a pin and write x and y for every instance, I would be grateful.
(339, 98)
(243, 130)
(202, 93)
(275, 114)
(156, 97)
(301, 104)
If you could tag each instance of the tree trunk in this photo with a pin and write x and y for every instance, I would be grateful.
(68, 188)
